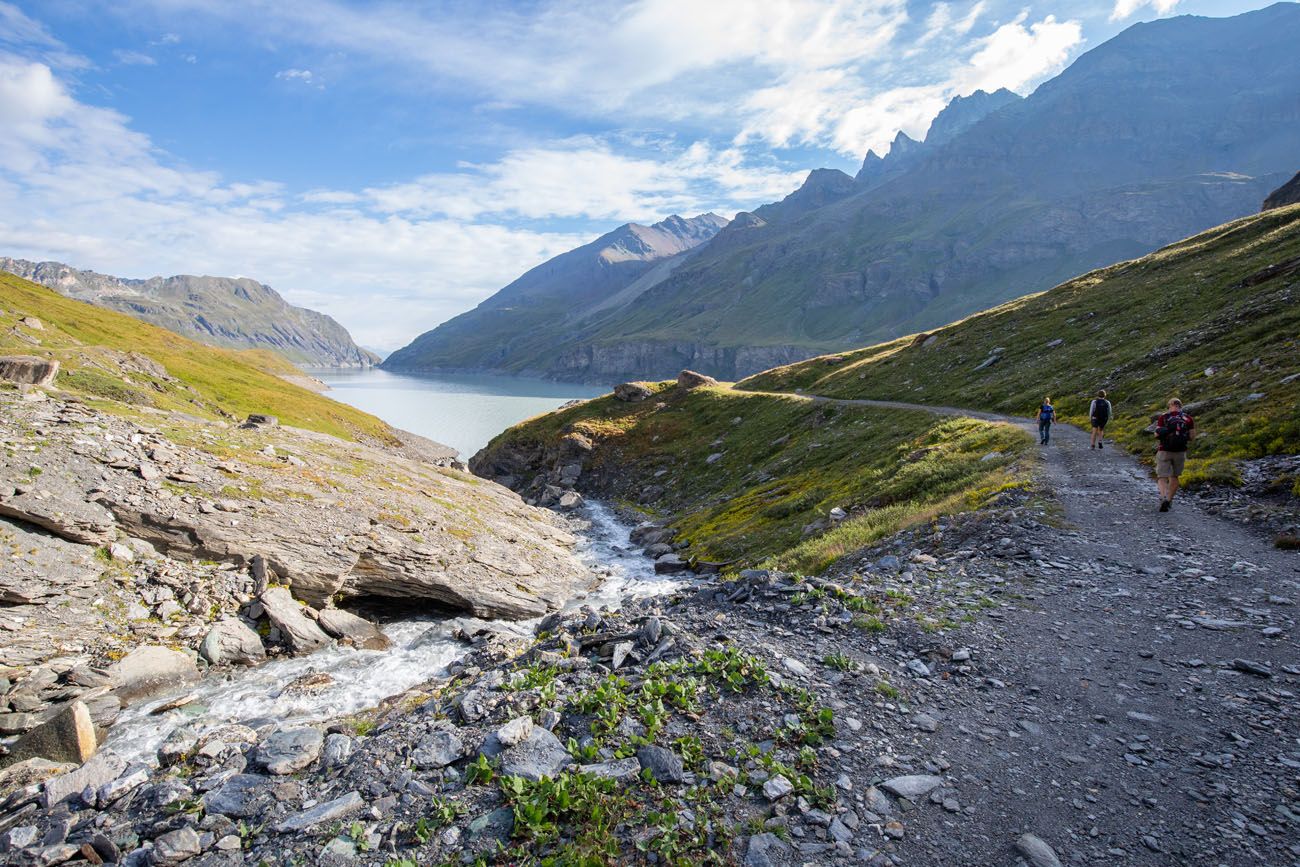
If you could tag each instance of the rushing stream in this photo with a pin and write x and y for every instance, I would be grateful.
(423, 648)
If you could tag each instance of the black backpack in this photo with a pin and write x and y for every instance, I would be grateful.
(1102, 410)
(1176, 433)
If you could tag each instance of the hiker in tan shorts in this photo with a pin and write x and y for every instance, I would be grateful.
(1174, 431)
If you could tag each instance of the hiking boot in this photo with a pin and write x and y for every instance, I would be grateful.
(1098, 445)
(1164, 505)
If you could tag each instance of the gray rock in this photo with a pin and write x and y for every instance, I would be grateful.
(353, 630)
(329, 811)
(618, 769)
(663, 764)
(337, 749)
(1036, 851)
(102, 768)
(777, 788)
(496, 825)
(670, 564)
(243, 796)
(69, 736)
(58, 504)
(300, 633)
(768, 850)
(151, 669)
(539, 755)
(925, 722)
(176, 846)
(231, 642)
(29, 369)
(437, 750)
(289, 750)
(514, 732)
(632, 392)
(912, 786)
(795, 667)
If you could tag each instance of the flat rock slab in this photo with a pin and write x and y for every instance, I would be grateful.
(329, 811)
(243, 796)
(59, 504)
(301, 633)
(29, 369)
(151, 669)
(290, 750)
(539, 755)
(103, 768)
(913, 786)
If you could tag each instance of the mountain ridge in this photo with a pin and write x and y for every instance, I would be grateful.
(231, 312)
(1167, 129)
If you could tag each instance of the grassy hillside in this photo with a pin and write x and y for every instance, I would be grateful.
(784, 463)
(1214, 319)
(106, 355)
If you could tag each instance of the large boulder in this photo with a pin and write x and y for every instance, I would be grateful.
(300, 633)
(69, 736)
(351, 629)
(691, 379)
(632, 392)
(151, 669)
(231, 642)
(28, 369)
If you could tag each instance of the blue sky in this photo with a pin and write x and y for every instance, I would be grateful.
(394, 163)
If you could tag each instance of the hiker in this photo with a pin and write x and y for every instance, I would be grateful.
(1174, 430)
(1046, 415)
(1099, 412)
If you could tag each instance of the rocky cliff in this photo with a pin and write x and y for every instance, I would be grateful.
(221, 311)
(1167, 129)
(1287, 194)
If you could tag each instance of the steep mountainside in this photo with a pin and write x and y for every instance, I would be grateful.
(516, 328)
(237, 313)
(1287, 194)
(1169, 128)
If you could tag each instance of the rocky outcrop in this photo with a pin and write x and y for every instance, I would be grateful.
(632, 392)
(28, 369)
(1287, 194)
(56, 501)
(691, 379)
(220, 311)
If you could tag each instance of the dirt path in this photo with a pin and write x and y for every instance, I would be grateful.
(1140, 706)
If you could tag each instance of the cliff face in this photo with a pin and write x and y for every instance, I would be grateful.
(1287, 194)
(237, 313)
(1165, 130)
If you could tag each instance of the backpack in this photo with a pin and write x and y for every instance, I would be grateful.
(1101, 409)
(1045, 412)
(1176, 433)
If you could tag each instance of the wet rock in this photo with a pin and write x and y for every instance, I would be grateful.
(151, 669)
(663, 764)
(539, 755)
(348, 628)
(670, 564)
(232, 642)
(289, 750)
(1036, 851)
(67, 737)
(301, 634)
(330, 811)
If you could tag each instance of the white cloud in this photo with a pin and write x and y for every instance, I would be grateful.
(1014, 55)
(134, 58)
(1127, 8)
(77, 184)
(301, 76)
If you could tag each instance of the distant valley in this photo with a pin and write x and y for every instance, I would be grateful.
(236, 313)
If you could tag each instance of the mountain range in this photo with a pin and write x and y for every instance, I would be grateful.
(233, 312)
(1171, 127)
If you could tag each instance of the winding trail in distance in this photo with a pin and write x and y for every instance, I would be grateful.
(1139, 706)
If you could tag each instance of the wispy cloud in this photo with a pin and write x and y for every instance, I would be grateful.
(300, 76)
(134, 58)
(1128, 8)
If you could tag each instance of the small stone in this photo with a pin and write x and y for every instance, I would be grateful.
(622, 770)
(1250, 666)
(1037, 852)
(663, 764)
(329, 811)
(438, 749)
(795, 667)
(121, 553)
(176, 846)
(767, 850)
(515, 731)
(289, 750)
(925, 722)
(777, 788)
(913, 786)
(919, 668)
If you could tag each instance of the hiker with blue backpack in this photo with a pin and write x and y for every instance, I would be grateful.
(1046, 415)
(1174, 431)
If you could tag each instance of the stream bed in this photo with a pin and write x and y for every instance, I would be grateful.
(423, 648)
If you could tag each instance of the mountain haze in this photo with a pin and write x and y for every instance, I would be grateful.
(1171, 127)
(236, 313)
(514, 329)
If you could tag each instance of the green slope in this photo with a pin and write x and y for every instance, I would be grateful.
(96, 348)
(1204, 319)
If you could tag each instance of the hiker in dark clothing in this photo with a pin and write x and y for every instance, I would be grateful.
(1174, 431)
(1046, 415)
(1099, 412)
